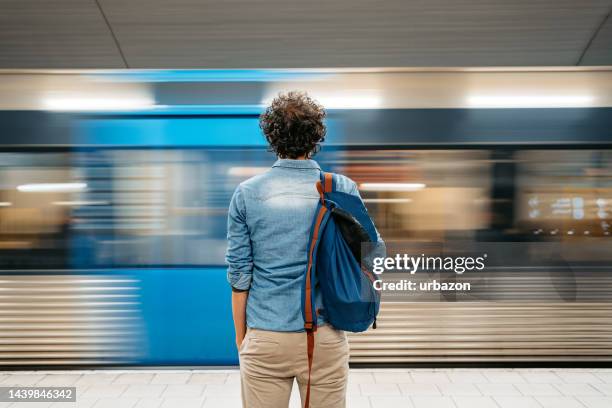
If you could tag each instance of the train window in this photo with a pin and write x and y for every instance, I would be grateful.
(105, 207)
(420, 195)
(37, 191)
(158, 207)
(565, 193)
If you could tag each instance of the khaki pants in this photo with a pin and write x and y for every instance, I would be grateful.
(269, 361)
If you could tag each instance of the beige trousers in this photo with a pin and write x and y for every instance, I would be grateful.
(269, 361)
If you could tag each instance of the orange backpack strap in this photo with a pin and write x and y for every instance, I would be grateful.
(328, 180)
(326, 186)
(310, 348)
(309, 325)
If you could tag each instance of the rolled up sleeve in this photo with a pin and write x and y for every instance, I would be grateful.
(239, 255)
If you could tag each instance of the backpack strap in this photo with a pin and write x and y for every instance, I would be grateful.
(309, 324)
(324, 185)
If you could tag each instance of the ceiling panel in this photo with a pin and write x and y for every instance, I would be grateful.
(341, 33)
(290, 33)
(600, 50)
(55, 34)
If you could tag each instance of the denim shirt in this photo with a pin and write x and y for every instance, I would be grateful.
(268, 227)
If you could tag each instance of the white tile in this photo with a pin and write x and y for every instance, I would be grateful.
(31, 404)
(207, 378)
(433, 402)
(22, 379)
(559, 402)
(221, 402)
(578, 377)
(360, 377)
(222, 390)
(390, 402)
(80, 403)
(233, 378)
(504, 377)
(596, 402)
(604, 376)
(605, 389)
(148, 403)
(144, 390)
(459, 389)
(353, 389)
(184, 403)
(430, 377)
(474, 402)
(134, 378)
(184, 390)
(420, 390)
(541, 390)
(96, 379)
(466, 376)
(539, 377)
(582, 390)
(104, 391)
(171, 378)
(116, 403)
(517, 402)
(501, 390)
(358, 402)
(379, 389)
(393, 377)
(58, 380)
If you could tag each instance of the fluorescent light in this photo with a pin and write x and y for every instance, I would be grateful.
(387, 200)
(51, 187)
(80, 203)
(350, 99)
(391, 186)
(97, 104)
(529, 101)
(247, 171)
(5, 204)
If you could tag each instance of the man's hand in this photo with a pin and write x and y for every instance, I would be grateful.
(239, 343)
(239, 300)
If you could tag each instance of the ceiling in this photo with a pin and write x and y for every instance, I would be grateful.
(313, 33)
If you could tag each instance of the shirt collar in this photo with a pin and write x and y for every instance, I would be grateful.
(297, 164)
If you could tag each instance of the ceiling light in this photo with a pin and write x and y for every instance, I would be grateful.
(387, 200)
(391, 186)
(52, 187)
(78, 104)
(529, 101)
(80, 203)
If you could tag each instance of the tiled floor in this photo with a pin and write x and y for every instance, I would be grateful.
(379, 388)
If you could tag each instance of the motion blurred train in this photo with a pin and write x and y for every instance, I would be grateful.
(114, 187)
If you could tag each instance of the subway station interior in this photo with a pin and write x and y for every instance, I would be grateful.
(473, 125)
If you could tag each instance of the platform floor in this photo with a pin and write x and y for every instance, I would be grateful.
(371, 388)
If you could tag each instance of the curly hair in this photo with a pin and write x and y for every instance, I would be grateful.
(293, 125)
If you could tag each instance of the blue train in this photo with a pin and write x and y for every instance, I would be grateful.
(115, 185)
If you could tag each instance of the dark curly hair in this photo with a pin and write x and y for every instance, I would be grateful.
(293, 125)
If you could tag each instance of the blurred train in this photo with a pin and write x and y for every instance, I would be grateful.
(114, 187)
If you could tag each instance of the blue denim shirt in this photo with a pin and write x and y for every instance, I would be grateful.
(269, 223)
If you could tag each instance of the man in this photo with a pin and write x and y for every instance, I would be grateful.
(269, 222)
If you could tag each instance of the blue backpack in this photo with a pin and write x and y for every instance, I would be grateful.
(350, 302)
